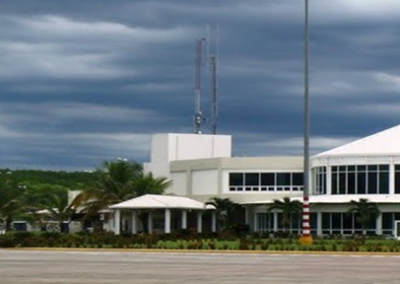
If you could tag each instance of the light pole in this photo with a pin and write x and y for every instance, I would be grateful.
(306, 237)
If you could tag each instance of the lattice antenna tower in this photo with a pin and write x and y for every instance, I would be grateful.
(198, 119)
(213, 66)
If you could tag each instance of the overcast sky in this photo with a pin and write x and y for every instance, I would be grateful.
(91, 80)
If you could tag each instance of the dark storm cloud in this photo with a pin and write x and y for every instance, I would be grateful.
(85, 81)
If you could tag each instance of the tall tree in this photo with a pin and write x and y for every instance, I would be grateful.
(11, 199)
(59, 208)
(365, 212)
(119, 181)
(289, 208)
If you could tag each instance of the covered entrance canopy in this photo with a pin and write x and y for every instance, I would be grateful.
(153, 202)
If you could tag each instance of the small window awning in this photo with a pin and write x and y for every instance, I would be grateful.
(152, 201)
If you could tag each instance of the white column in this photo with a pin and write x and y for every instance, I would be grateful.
(167, 223)
(319, 224)
(150, 222)
(391, 178)
(134, 222)
(328, 180)
(199, 221)
(184, 219)
(213, 221)
(379, 225)
(117, 222)
(275, 221)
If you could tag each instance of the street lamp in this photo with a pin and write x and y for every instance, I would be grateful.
(306, 237)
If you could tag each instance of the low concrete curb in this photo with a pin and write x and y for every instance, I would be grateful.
(206, 251)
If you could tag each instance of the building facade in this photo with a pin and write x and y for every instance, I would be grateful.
(201, 167)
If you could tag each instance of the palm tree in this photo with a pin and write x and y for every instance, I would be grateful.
(225, 209)
(288, 208)
(365, 212)
(119, 181)
(146, 183)
(59, 208)
(11, 200)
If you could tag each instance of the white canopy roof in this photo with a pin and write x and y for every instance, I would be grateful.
(386, 142)
(341, 199)
(151, 201)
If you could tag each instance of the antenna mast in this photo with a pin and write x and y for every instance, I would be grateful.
(213, 67)
(198, 114)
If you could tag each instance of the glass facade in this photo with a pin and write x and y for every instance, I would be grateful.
(332, 223)
(360, 179)
(388, 220)
(319, 180)
(265, 222)
(256, 181)
(355, 179)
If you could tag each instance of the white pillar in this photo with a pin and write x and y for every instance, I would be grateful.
(117, 222)
(379, 225)
(392, 175)
(134, 222)
(275, 221)
(213, 221)
(150, 222)
(167, 223)
(199, 221)
(319, 224)
(184, 219)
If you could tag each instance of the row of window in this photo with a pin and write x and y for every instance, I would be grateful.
(265, 222)
(351, 179)
(332, 223)
(265, 181)
(356, 179)
(371, 179)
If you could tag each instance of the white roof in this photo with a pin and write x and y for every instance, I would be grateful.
(151, 201)
(386, 142)
(339, 199)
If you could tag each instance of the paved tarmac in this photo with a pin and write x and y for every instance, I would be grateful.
(37, 267)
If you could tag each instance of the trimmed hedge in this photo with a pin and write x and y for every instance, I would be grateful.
(191, 241)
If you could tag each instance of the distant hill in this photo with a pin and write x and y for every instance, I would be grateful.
(70, 180)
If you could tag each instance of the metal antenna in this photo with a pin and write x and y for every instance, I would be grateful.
(213, 67)
(198, 115)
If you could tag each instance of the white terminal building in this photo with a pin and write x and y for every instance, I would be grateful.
(201, 167)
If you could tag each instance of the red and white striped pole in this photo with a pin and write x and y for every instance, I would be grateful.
(306, 238)
(306, 217)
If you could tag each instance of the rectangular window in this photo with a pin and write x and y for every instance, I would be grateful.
(384, 183)
(372, 183)
(326, 221)
(252, 179)
(361, 183)
(342, 183)
(236, 179)
(347, 221)
(298, 179)
(334, 183)
(384, 168)
(387, 221)
(267, 179)
(283, 178)
(336, 221)
(351, 183)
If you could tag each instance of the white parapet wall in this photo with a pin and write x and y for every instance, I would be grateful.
(169, 147)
